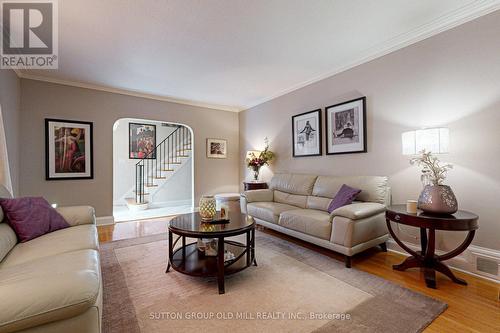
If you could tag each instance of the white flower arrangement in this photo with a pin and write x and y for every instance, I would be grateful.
(432, 170)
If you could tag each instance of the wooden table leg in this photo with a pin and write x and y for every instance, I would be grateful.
(253, 247)
(430, 277)
(423, 240)
(220, 265)
(429, 260)
(249, 248)
(442, 268)
(170, 250)
(183, 248)
(410, 262)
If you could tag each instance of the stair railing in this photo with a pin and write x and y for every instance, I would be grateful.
(161, 160)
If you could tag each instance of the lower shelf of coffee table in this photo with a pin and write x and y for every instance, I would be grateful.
(196, 263)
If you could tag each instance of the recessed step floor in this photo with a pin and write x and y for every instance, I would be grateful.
(132, 204)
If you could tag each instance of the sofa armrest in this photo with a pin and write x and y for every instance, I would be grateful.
(357, 211)
(255, 196)
(77, 215)
(258, 195)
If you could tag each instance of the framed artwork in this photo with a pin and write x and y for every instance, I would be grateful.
(216, 148)
(141, 141)
(346, 127)
(306, 131)
(68, 149)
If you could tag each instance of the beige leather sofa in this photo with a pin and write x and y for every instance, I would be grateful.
(52, 283)
(297, 205)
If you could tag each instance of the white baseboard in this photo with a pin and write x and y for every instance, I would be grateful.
(105, 220)
(465, 262)
(171, 203)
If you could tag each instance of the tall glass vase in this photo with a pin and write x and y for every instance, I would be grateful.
(256, 171)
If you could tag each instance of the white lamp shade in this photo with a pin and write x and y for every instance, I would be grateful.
(253, 153)
(434, 140)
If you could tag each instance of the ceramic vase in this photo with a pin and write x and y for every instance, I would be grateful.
(207, 207)
(438, 199)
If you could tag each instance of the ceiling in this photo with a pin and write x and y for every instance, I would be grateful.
(235, 54)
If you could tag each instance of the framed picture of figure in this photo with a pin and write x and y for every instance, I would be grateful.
(216, 148)
(68, 149)
(346, 127)
(142, 141)
(306, 131)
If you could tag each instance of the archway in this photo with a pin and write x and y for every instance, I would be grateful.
(153, 169)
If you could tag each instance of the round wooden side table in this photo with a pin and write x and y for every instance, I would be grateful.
(428, 224)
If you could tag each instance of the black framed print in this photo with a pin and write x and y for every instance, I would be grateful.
(346, 127)
(306, 131)
(68, 149)
(142, 141)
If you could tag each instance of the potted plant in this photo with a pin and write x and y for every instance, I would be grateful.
(255, 162)
(435, 198)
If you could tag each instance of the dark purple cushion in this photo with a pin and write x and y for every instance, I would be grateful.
(344, 196)
(31, 217)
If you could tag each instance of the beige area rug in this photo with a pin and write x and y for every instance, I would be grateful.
(293, 289)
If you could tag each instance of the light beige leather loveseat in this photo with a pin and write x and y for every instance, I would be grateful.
(52, 283)
(297, 205)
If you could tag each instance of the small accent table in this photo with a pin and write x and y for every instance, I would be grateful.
(249, 186)
(188, 260)
(426, 258)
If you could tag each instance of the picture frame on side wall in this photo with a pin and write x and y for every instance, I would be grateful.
(306, 134)
(216, 148)
(346, 127)
(68, 149)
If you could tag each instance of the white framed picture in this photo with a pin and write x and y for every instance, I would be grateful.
(216, 148)
(68, 149)
(346, 127)
(306, 131)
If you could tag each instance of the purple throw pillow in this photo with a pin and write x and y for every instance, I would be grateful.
(31, 217)
(344, 196)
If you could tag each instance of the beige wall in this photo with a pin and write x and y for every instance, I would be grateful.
(10, 93)
(452, 79)
(45, 100)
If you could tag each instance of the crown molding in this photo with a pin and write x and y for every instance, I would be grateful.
(448, 21)
(24, 75)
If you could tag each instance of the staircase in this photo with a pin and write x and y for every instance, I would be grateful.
(155, 169)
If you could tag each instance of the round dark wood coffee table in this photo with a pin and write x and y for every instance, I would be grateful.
(426, 257)
(187, 259)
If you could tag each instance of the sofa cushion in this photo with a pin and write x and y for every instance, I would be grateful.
(8, 240)
(31, 217)
(65, 240)
(293, 183)
(373, 188)
(290, 199)
(48, 289)
(267, 211)
(313, 222)
(319, 203)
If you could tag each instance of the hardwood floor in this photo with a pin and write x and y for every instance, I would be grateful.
(472, 308)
